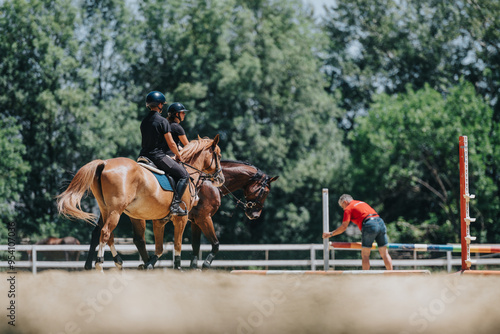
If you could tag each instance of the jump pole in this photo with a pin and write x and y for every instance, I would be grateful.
(332, 272)
(484, 249)
(326, 244)
(465, 197)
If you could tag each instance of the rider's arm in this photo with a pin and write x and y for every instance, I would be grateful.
(184, 140)
(172, 145)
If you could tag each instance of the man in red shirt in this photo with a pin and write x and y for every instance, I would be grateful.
(371, 225)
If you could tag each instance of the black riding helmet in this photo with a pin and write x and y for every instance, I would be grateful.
(154, 98)
(175, 108)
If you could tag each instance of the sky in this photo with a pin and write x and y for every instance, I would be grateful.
(318, 5)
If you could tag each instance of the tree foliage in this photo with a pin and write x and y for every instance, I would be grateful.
(13, 170)
(411, 169)
(370, 101)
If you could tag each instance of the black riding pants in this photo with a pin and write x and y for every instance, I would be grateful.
(171, 167)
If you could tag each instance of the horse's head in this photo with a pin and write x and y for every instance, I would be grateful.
(256, 193)
(204, 154)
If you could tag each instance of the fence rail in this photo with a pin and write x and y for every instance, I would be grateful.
(313, 262)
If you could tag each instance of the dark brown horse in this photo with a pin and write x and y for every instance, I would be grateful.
(58, 255)
(121, 185)
(255, 184)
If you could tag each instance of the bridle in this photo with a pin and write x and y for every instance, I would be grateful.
(247, 205)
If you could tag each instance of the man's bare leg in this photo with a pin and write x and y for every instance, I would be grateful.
(384, 253)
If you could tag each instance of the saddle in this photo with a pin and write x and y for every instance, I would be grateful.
(166, 181)
(148, 164)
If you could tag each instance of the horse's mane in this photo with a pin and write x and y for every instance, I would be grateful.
(194, 147)
(258, 173)
(239, 163)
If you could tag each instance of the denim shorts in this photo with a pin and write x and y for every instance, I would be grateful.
(374, 230)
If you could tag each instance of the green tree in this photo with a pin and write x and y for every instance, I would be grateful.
(12, 171)
(249, 71)
(405, 154)
(386, 45)
(49, 89)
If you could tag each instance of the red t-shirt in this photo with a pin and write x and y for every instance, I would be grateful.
(357, 211)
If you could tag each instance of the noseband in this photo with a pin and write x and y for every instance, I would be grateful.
(264, 184)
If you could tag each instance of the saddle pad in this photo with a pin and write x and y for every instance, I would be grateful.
(164, 183)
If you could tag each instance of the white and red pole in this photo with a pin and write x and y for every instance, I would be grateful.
(465, 220)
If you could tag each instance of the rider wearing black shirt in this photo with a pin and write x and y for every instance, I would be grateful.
(176, 114)
(157, 141)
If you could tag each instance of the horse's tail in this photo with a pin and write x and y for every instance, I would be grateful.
(69, 202)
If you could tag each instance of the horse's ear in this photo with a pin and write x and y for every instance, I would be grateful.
(273, 179)
(215, 141)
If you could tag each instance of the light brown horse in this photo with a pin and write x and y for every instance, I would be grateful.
(255, 184)
(120, 185)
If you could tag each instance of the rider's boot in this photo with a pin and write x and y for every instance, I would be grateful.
(175, 207)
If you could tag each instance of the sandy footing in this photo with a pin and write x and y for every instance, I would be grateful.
(218, 302)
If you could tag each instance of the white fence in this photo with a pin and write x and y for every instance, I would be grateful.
(314, 262)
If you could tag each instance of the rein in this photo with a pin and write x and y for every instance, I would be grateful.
(203, 175)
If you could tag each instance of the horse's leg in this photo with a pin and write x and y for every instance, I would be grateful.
(110, 223)
(201, 215)
(159, 232)
(195, 242)
(116, 257)
(180, 223)
(207, 227)
(94, 241)
(139, 228)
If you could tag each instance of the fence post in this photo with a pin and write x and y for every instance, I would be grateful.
(267, 257)
(325, 228)
(448, 261)
(313, 257)
(33, 259)
(415, 259)
(332, 256)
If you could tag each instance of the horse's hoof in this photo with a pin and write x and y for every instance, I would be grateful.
(141, 266)
(118, 261)
(99, 268)
(194, 263)
(150, 267)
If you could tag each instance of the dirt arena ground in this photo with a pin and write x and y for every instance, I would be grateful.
(218, 302)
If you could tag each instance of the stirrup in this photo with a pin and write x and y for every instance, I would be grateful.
(176, 210)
